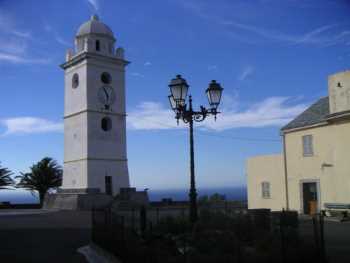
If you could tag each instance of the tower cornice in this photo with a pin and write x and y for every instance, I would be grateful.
(88, 55)
(95, 111)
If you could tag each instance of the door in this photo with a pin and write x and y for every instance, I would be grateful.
(310, 197)
(108, 184)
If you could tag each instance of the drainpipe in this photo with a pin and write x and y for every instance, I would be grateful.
(285, 168)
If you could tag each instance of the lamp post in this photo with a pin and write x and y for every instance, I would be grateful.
(179, 88)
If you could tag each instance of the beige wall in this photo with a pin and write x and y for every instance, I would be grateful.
(267, 168)
(339, 91)
(329, 165)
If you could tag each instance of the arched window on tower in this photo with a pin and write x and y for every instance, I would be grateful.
(106, 124)
(98, 45)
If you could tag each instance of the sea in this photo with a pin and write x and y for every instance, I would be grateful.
(17, 196)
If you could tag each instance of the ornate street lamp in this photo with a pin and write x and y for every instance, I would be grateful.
(179, 88)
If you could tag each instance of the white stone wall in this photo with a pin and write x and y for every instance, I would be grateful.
(98, 169)
(74, 175)
(106, 144)
(88, 44)
(75, 137)
(95, 67)
(75, 100)
(91, 153)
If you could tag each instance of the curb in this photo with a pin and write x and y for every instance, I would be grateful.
(95, 254)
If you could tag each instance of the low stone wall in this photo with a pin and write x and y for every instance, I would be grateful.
(76, 201)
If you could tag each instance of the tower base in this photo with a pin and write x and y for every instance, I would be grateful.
(77, 200)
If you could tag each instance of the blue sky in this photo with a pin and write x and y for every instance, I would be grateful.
(271, 56)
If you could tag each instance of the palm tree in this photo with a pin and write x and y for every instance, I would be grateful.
(44, 175)
(5, 178)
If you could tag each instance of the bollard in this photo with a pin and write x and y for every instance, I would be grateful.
(133, 218)
(316, 236)
(143, 220)
(157, 214)
(322, 241)
(283, 241)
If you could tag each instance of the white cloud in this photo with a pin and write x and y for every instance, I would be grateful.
(147, 63)
(60, 40)
(95, 4)
(247, 71)
(151, 116)
(14, 42)
(27, 125)
(315, 37)
(8, 26)
(325, 35)
(271, 112)
(137, 74)
(15, 59)
(212, 67)
(22, 34)
(47, 27)
(12, 45)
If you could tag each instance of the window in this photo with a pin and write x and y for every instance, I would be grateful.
(308, 145)
(110, 48)
(265, 189)
(97, 45)
(106, 78)
(75, 81)
(80, 45)
(106, 124)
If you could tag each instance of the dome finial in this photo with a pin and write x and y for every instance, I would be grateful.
(95, 17)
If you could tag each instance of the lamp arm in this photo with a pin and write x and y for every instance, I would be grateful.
(187, 114)
(185, 120)
(200, 115)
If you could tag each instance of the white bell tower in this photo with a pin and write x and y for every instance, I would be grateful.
(95, 159)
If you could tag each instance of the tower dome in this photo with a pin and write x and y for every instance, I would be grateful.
(94, 26)
(95, 36)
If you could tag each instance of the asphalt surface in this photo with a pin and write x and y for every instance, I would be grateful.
(42, 236)
(337, 239)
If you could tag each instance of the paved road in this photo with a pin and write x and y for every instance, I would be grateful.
(337, 239)
(33, 236)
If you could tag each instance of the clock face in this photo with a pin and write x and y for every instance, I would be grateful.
(106, 95)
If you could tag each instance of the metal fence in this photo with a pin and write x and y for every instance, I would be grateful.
(164, 235)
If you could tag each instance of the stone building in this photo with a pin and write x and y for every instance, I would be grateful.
(95, 159)
(314, 169)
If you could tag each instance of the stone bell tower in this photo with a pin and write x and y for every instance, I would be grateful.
(95, 159)
(339, 92)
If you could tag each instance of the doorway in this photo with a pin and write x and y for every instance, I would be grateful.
(108, 185)
(310, 198)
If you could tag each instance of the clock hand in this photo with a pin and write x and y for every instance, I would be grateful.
(104, 89)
